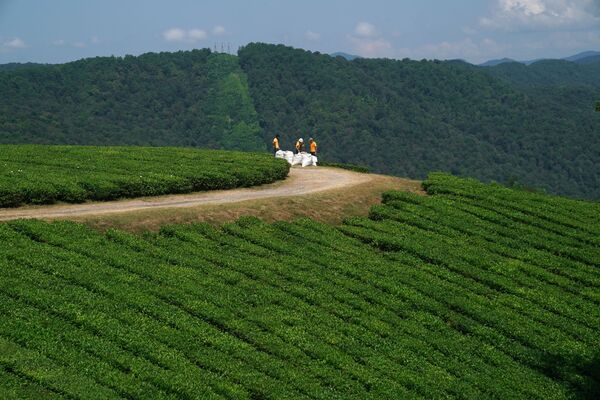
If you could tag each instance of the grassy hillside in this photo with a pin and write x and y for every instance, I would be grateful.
(37, 174)
(410, 117)
(195, 98)
(475, 292)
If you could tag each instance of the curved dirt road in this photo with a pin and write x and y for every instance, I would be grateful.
(300, 181)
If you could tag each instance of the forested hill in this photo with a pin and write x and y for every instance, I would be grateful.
(404, 117)
(410, 117)
(195, 98)
(549, 73)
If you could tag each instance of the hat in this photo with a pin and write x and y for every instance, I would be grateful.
(310, 139)
(301, 140)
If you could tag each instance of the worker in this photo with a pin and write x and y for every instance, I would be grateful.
(299, 145)
(313, 146)
(276, 147)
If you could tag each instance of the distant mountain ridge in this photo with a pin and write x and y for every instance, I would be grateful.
(544, 73)
(585, 57)
(493, 63)
(579, 58)
(347, 56)
(589, 60)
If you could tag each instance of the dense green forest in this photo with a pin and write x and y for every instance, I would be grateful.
(549, 73)
(409, 117)
(195, 98)
(533, 126)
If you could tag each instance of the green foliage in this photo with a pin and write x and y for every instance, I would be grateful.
(350, 167)
(548, 73)
(37, 174)
(476, 291)
(410, 117)
(193, 99)
(534, 125)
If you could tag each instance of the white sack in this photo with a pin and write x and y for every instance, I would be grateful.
(314, 160)
(289, 157)
(280, 154)
(297, 159)
(306, 160)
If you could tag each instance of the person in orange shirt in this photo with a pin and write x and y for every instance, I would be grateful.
(276, 147)
(313, 146)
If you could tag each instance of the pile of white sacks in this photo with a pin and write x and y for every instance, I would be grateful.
(304, 159)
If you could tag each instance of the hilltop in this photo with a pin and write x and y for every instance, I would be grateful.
(347, 56)
(409, 117)
(583, 57)
(549, 73)
(195, 98)
(493, 63)
(404, 118)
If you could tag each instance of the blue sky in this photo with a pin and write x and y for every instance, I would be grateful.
(55, 31)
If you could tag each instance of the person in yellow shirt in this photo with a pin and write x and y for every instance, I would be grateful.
(299, 146)
(313, 147)
(276, 147)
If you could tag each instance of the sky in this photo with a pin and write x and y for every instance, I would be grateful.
(56, 31)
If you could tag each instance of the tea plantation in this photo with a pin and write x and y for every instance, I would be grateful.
(36, 174)
(475, 291)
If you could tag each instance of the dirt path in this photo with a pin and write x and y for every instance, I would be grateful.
(301, 181)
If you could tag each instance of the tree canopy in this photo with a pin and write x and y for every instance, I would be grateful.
(194, 98)
(411, 117)
(533, 126)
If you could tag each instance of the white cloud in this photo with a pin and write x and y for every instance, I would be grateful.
(174, 35)
(196, 35)
(312, 36)
(365, 30)
(219, 30)
(95, 39)
(59, 42)
(367, 42)
(79, 45)
(549, 44)
(564, 43)
(377, 47)
(180, 35)
(465, 48)
(535, 15)
(13, 44)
